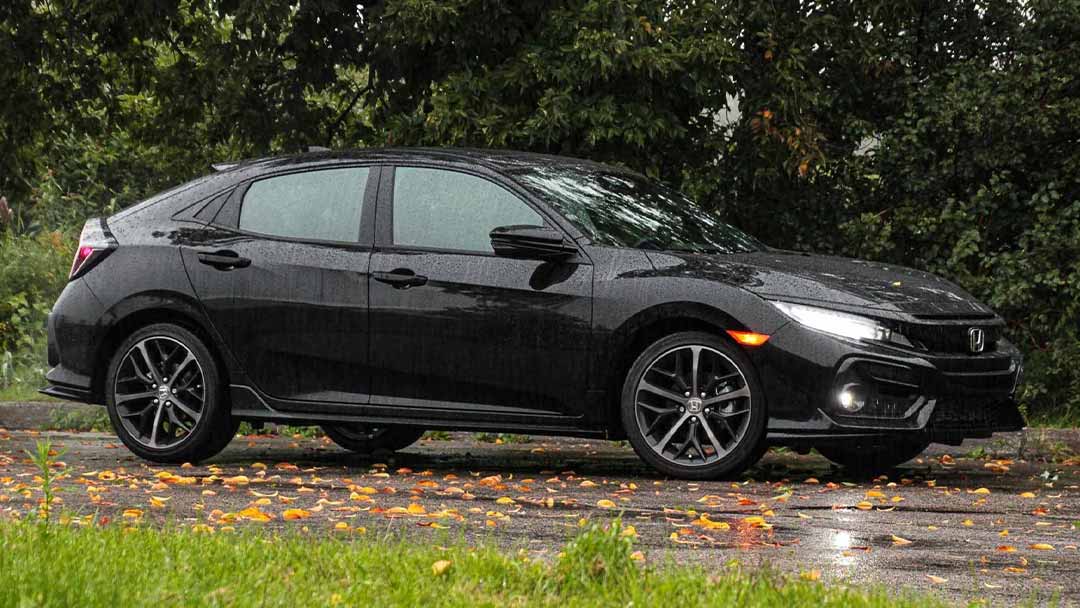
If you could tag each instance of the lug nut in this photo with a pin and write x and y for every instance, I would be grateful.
(687, 393)
(174, 391)
(702, 395)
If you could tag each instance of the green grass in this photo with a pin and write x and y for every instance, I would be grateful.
(501, 438)
(79, 419)
(24, 391)
(113, 566)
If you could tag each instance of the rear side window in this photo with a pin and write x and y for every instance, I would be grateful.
(321, 205)
(450, 210)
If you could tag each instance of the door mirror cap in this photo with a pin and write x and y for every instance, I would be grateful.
(531, 243)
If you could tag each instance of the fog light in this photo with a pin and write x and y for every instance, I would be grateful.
(850, 398)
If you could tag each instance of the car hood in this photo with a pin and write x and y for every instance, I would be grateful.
(838, 282)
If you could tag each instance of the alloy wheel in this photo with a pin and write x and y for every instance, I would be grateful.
(692, 405)
(159, 392)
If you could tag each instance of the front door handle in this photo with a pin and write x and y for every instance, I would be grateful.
(224, 260)
(400, 278)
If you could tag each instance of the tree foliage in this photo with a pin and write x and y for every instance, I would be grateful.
(941, 135)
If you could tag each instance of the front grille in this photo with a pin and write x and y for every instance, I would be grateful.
(951, 337)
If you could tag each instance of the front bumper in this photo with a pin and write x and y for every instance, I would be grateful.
(934, 397)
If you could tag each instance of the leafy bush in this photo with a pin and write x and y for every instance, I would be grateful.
(33, 271)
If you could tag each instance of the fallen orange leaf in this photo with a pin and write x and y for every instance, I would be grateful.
(294, 514)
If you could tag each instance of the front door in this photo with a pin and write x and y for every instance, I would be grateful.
(283, 278)
(455, 328)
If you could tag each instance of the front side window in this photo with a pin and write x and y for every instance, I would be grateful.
(449, 210)
(317, 205)
(623, 209)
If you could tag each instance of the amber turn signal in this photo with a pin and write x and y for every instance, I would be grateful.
(748, 338)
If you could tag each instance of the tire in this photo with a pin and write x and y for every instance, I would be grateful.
(725, 431)
(873, 460)
(195, 386)
(365, 439)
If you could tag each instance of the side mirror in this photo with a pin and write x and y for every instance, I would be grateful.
(530, 243)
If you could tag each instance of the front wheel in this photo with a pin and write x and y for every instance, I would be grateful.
(692, 407)
(873, 460)
(367, 439)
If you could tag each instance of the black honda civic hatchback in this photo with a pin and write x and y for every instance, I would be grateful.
(379, 293)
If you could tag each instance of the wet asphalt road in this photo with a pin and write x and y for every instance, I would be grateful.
(991, 526)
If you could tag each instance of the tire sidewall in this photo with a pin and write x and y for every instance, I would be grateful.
(215, 413)
(745, 454)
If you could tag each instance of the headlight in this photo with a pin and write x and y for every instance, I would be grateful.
(836, 323)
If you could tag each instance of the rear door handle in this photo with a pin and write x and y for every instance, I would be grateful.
(400, 278)
(224, 260)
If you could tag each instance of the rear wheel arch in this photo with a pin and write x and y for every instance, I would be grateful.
(177, 312)
(642, 330)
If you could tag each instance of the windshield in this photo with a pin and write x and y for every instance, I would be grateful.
(627, 210)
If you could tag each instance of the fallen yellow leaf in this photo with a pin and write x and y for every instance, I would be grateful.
(604, 503)
(899, 542)
(440, 567)
(1041, 547)
(756, 521)
(810, 575)
(937, 580)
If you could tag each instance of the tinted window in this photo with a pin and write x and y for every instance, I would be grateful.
(628, 210)
(450, 210)
(321, 205)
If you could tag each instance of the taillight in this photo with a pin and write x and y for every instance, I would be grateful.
(95, 243)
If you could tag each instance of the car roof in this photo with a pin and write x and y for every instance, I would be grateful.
(498, 160)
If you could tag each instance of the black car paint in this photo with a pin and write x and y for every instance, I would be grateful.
(309, 332)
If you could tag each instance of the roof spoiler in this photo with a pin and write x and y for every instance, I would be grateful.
(223, 166)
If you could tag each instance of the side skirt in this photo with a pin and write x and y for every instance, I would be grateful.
(249, 405)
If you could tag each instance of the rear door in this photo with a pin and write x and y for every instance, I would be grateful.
(455, 327)
(282, 273)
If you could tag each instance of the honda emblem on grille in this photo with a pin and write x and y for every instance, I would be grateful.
(976, 339)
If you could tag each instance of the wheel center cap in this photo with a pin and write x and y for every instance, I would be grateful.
(163, 392)
(693, 405)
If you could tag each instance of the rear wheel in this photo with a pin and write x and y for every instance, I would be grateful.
(368, 439)
(692, 407)
(876, 459)
(164, 396)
